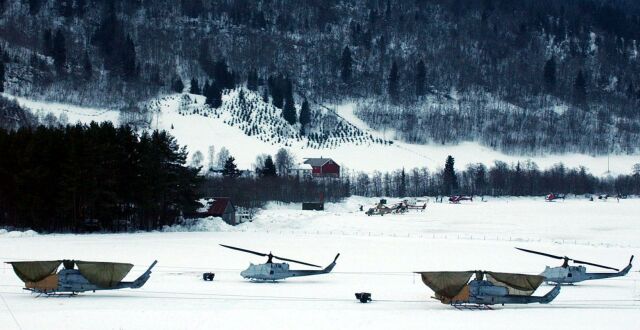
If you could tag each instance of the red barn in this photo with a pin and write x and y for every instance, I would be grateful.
(323, 167)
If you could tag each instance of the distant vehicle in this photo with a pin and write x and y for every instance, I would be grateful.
(552, 197)
(412, 204)
(566, 274)
(43, 277)
(271, 271)
(456, 199)
(487, 288)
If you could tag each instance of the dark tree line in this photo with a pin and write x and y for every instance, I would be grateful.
(60, 179)
(255, 192)
(500, 179)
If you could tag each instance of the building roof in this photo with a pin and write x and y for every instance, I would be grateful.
(219, 205)
(317, 161)
(298, 167)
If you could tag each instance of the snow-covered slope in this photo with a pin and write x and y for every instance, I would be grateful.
(251, 127)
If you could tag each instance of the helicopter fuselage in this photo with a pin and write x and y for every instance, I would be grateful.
(71, 281)
(486, 293)
(273, 271)
(574, 274)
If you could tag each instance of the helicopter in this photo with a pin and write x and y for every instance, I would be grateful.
(552, 197)
(487, 288)
(43, 277)
(456, 199)
(566, 274)
(271, 271)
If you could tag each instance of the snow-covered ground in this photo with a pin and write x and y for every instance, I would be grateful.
(198, 133)
(378, 255)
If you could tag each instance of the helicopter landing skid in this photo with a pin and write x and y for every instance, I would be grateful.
(48, 294)
(472, 307)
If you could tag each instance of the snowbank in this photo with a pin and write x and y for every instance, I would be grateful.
(209, 224)
(16, 234)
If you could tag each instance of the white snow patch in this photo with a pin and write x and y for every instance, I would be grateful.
(208, 224)
(17, 233)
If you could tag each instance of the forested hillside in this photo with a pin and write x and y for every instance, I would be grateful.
(524, 77)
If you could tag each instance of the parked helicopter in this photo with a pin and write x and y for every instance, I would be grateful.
(487, 288)
(551, 197)
(566, 274)
(271, 271)
(456, 199)
(43, 276)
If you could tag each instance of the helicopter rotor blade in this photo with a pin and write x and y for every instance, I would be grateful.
(296, 261)
(244, 250)
(592, 264)
(541, 253)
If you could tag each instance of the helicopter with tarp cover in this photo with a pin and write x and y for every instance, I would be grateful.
(274, 271)
(43, 277)
(487, 288)
(566, 274)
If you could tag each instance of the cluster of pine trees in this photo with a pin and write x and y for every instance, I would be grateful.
(63, 178)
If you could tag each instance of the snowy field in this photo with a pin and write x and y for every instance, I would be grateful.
(378, 255)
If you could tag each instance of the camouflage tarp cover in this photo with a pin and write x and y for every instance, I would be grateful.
(104, 274)
(447, 284)
(517, 284)
(34, 271)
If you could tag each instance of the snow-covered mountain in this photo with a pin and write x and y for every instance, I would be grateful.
(247, 126)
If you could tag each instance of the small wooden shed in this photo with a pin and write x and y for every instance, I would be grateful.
(223, 207)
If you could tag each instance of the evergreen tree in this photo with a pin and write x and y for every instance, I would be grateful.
(346, 65)
(129, 67)
(195, 88)
(305, 116)
(2, 75)
(47, 42)
(222, 75)
(87, 68)
(269, 169)
(393, 82)
(252, 80)
(289, 111)
(34, 6)
(230, 169)
(580, 89)
(65, 8)
(177, 85)
(80, 7)
(214, 95)
(402, 187)
(449, 178)
(59, 51)
(550, 75)
(421, 75)
(206, 87)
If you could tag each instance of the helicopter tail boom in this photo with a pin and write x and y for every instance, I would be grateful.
(142, 279)
(326, 270)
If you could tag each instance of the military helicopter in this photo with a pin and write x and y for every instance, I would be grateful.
(552, 197)
(566, 274)
(487, 288)
(271, 271)
(43, 277)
